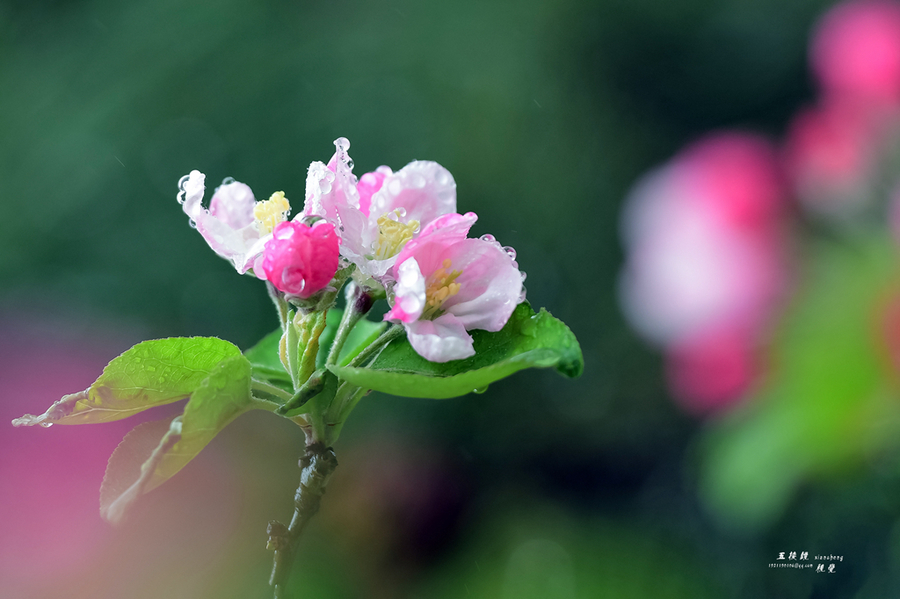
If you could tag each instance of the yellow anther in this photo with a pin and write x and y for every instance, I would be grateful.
(392, 236)
(441, 286)
(271, 212)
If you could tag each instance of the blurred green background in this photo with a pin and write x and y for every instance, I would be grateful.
(545, 113)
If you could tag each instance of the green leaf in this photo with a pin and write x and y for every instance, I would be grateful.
(265, 361)
(528, 340)
(149, 374)
(141, 464)
(267, 365)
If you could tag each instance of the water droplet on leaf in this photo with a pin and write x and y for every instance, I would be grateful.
(480, 390)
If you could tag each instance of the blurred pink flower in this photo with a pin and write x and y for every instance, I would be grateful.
(300, 259)
(706, 244)
(448, 284)
(704, 239)
(855, 50)
(379, 214)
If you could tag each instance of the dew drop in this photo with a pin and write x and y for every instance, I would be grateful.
(480, 390)
(511, 252)
(488, 237)
(192, 223)
(342, 143)
(416, 181)
(401, 212)
(350, 164)
(182, 183)
(46, 424)
(227, 180)
(442, 177)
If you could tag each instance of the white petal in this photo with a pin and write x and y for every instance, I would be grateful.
(409, 293)
(440, 340)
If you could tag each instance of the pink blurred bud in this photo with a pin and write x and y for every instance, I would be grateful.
(829, 154)
(301, 260)
(855, 50)
(709, 372)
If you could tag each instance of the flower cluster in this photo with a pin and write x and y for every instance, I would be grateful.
(399, 233)
(709, 235)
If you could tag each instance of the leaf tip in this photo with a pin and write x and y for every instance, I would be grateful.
(59, 410)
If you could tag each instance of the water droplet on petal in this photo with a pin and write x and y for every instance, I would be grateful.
(46, 424)
(342, 143)
(350, 164)
(192, 223)
(488, 237)
(227, 180)
(511, 252)
(401, 212)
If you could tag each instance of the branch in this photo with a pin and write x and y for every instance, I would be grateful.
(316, 468)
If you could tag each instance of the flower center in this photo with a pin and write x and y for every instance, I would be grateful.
(441, 286)
(393, 235)
(271, 212)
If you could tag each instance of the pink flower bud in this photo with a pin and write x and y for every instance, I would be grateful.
(301, 260)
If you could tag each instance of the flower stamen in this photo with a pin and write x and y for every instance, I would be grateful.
(441, 287)
(271, 212)
(393, 235)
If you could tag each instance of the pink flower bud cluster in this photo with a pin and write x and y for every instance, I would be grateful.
(398, 230)
(708, 234)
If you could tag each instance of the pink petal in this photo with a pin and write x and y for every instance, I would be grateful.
(233, 204)
(440, 340)
(222, 234)
(430, 247)
(332, 186)
(424, 190)
(490, 284)
(369, 184)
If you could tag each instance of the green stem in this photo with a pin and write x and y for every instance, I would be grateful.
(316, 468)
(269, 389)
(376, 346)
(358, 303)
